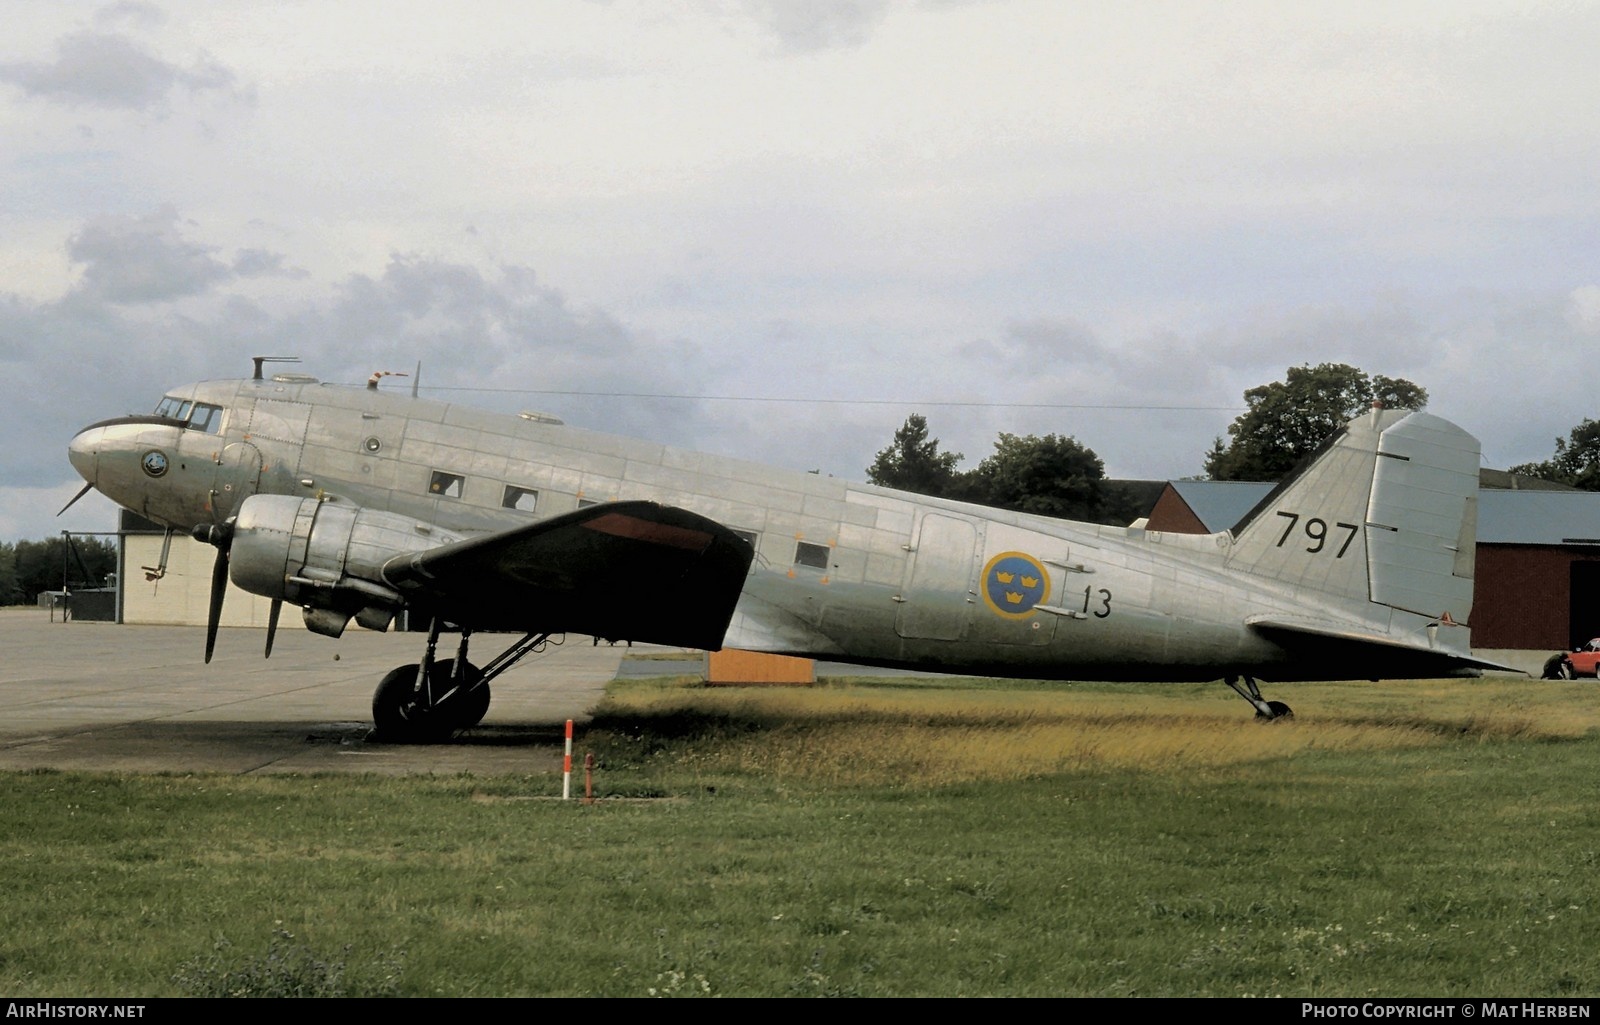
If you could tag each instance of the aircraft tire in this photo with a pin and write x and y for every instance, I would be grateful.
(477, 707)
(463, 711)
(396, 716)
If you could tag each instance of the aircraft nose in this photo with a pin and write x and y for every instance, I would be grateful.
(84, 453)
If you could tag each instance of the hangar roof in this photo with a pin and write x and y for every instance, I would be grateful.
(1539, 517)
(1219, 504)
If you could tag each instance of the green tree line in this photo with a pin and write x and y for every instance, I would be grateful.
(1576, 460)
(28, 568)
(1055, 475)
(1284, 423)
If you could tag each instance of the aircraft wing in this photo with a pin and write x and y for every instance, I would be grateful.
(624, 570)
(1319, 644)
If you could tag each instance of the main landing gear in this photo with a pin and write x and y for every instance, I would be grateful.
(428, 701)
(1266, 711)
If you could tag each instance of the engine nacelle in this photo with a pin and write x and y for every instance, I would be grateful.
(325, 556)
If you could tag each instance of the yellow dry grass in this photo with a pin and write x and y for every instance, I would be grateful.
(943, 734)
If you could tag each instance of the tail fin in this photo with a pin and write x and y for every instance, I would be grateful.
(1386, 512)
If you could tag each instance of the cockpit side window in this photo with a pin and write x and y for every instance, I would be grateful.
(206, 417)
(199, 416)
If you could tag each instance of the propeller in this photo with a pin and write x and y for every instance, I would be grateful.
(221, 536)
(272, 624)
(86, 489)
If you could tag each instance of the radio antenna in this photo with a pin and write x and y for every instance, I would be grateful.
(258, 360)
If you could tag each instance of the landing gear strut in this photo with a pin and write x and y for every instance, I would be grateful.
(428, 701)
(1265, 710)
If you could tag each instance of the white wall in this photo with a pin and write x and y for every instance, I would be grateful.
(180, 598)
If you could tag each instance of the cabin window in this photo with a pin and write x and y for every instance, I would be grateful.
(584, 503)
(446, 485)
(812, 555)
(519, 498)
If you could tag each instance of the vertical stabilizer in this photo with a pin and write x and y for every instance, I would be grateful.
(1386, 512)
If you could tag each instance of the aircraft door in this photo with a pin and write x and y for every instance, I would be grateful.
(238, 477)
(938, 592)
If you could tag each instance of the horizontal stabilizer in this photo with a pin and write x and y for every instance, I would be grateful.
(1428, 654)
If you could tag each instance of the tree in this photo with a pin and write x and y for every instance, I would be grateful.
(1052, 476)
(38, 565)
(913, 462)
(10, 590)
(1289, 419)
(1576, 462)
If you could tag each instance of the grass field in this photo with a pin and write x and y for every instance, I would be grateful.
(866, 838)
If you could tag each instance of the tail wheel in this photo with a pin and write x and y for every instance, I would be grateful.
(1278, 709)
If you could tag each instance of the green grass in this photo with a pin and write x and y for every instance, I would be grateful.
(861, 839)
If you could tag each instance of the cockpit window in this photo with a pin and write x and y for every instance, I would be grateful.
(198, 416)
(206, 417)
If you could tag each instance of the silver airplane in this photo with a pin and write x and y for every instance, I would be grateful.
(357, 503)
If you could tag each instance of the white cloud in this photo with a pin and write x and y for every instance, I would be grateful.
(1586, 308)
(1088, 212)
(818, 24)
(100, 69)
(142, 259)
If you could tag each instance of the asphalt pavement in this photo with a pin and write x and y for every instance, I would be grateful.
(105, 697)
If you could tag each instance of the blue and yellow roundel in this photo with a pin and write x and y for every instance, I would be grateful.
(1013, 583)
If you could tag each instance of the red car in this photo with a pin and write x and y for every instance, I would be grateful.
(1584, 661)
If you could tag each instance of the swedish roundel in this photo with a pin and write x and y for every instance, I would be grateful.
(1013, 583)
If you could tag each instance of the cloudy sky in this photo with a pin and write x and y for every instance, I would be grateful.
(774, 228)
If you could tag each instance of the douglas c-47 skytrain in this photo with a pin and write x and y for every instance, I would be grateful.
(356, 503)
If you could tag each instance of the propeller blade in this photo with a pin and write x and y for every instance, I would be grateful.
(272, 623)
(220, 535)
(219, 590)
(86, 489)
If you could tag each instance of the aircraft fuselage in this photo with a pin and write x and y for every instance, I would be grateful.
(842, 570)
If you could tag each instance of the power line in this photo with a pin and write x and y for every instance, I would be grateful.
(941, 403)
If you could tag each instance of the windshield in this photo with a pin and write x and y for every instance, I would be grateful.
(174, 408)
(198, 416)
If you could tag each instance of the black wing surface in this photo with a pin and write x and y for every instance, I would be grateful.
(623, 570)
